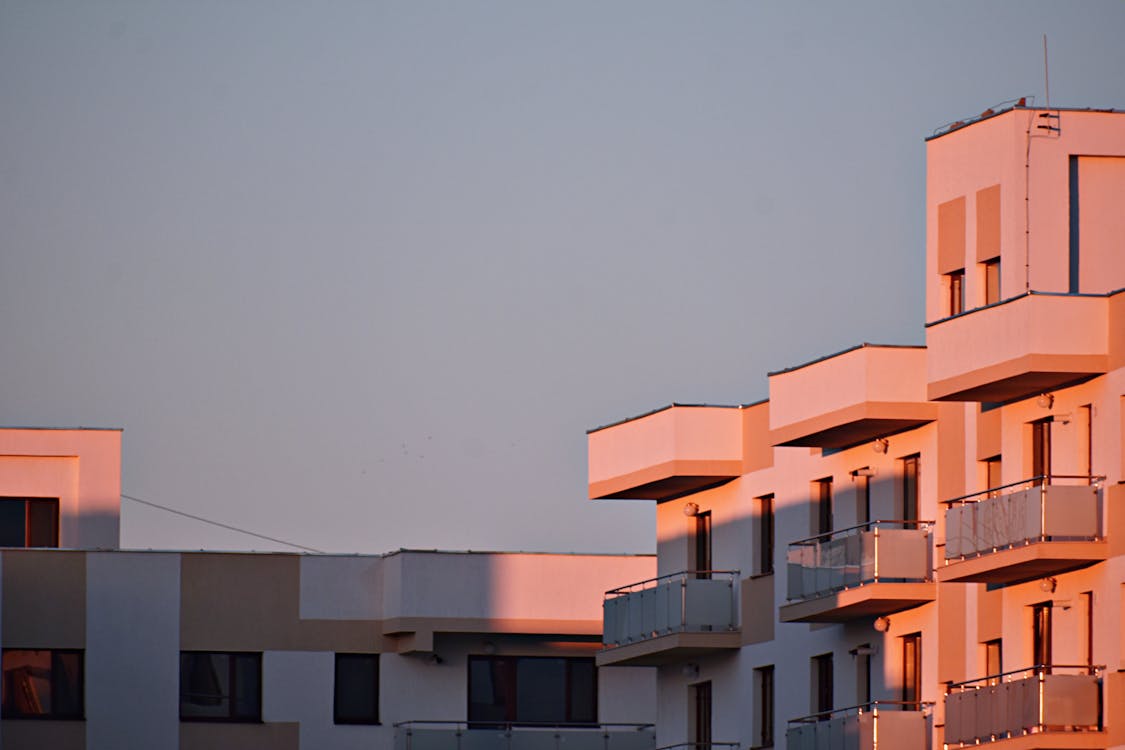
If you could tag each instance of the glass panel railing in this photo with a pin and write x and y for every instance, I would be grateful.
(1039, 509)
(1043, 698)
(459, 735)
(689, 601)
(880, 551)
(894, 723)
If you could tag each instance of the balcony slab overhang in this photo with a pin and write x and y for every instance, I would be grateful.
(666, 649)
(869, 600)
(853, 425)
(667, 480)
(1045, 741)
(671, 452)
(848, 398)
(1017, 348)
(1024, 563)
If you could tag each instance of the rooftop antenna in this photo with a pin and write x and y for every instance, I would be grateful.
(1046, 77)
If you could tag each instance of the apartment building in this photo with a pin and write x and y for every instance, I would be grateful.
(412, 650)
(910, 547)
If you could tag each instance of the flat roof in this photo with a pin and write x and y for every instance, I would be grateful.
(673, 405)
(1000, 109)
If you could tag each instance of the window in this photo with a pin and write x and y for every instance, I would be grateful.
(1041, 634)
(29, 522)
(220, 686)
(912, 671)
(763, 706)
(701, 715)
(823, 498)
(994, 660)
(701, 543)
(992, 475)
(822, 685)
(862, 656)
(531, 689)
(42, 684)
(765, 534)
(910, 467)
(862, 480)
(956, 291)
(357, 689)
(1088, 611)
(991, 281)
(1041, 450)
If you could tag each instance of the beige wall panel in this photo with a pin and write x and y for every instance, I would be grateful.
(1115, 519)
(44, 599)
(990, 615)
(40, 735)
(221, 736)
(951, 235)
(950, 464)
(952, 632)
(988, 223)
(988, 434)
(758, 612)
(232, 602)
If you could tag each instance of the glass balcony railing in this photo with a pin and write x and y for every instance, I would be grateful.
(879, 551)
(685, 602)
(891, 724)
(1040, 509)
(459, 735)
(1036, 700)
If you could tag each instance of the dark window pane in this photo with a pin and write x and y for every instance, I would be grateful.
(247, 686)
(13, 523)
(27, 683)
(357, 688)
(43, 523)
(541, 690)
(491, 692)
(66, 678)
(204, 685)
(583, 691)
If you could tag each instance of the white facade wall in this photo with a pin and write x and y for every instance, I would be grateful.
(132, 650)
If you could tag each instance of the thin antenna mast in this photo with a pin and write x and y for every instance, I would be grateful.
(1046, 77)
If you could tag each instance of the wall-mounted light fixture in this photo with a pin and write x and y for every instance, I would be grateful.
(690, 670)
(690, 509)
(1048, 585)
(882, 624)
(1045, 400)
(881, 445)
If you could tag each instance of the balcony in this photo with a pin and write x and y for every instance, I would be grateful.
(850, 398)
(888, 724)
(667, 454)
(1036, 528)
(1040, 708)
(1030, 344)
(459, 735)
(670, 618)
(870, 570)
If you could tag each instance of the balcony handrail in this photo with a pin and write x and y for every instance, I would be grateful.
(870, 707)
(699, 745)
(1036, 670)
(682, 575)
(1022, 295)
(1041, 480)
(899, 523)
(510, 725)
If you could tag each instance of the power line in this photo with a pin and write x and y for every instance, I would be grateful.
(220, 525)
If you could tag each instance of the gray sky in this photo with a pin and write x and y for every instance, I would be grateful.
(361, 274)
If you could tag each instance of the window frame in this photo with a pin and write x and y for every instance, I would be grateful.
(232, 690)
(52, 506)
(336, 718)
(80, 715)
